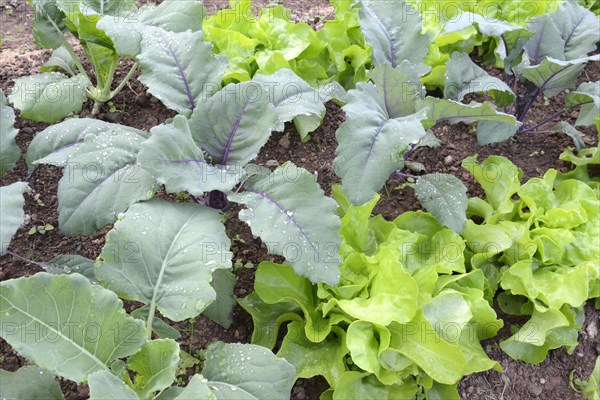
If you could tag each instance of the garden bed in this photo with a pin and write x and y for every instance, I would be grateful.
(533, 152)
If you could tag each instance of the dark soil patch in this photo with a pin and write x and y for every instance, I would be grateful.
(534, 153)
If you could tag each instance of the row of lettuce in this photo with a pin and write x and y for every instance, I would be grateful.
(381, 309)
(415, 298)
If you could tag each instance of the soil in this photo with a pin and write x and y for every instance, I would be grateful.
(534, 153)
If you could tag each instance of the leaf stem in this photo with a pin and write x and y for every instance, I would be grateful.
(527, 106)
(413, 147)
(125, 80)
(27, 260)
(150, 319)
(103, 94)
(76, 60)
(550, 118)
(30, 176)
(404, 176)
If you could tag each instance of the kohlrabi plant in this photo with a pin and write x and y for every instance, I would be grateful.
(388, 116)
(72, 328)
(546, 58)
(52, 95)
(69, 321)
(109, 168)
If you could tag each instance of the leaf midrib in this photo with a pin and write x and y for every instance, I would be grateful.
(66, 338)
(164, 265)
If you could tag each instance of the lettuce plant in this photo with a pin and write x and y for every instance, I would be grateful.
(438, 14)
(52, 95)
(406, 318)
(590, 389)
(547, 57)
(270, 42)
(539, 244)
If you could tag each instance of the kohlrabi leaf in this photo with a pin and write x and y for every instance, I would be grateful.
(49, 97)
(60, 59)
(180, 68)
(553, 76)
(398, 88)
(234, 124)
(291, 214)
(176, 161)
(155, 366)
(453, 111)
(104, 385)
(164, 254)
(463, 76)
(486, 25)
(587, 96)
(245, 371)
(546, 40)
(102, 180)
(381, 123)
(103, 60)
(160, 327)
(393, 29)
(494, 132)
(170, 15)
(9, 151)
(117, 8)
(12, 215)
(567, 34)
(569, 130)
(49, 25)
(429, 140)
(221, 310)
(196, 389)
(56, 144)
(587, 92)
(80, 328)
(71, 264)
(30, 382)
(445, 196)
(294, 99)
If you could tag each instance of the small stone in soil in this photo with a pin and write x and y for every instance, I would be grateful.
(536, 389)
(113, 117)
(272, 163)
(284, 142)
(141, 99)
(592, 330)
(448, 160)
(27, 130)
